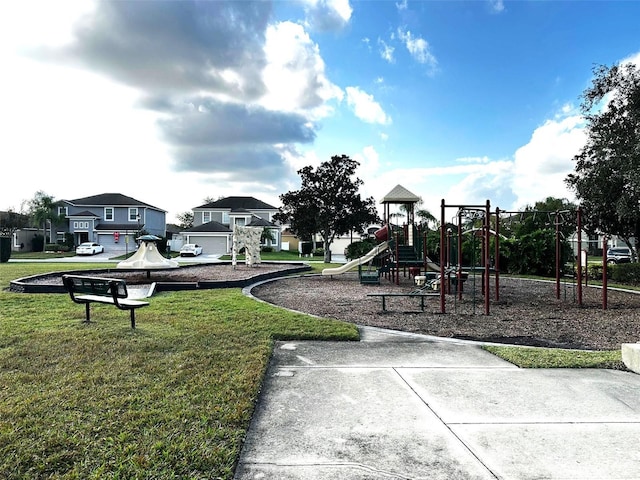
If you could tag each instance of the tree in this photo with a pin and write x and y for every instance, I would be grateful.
(185, 219)
(607, 172)
(328, 203)
(41, 208)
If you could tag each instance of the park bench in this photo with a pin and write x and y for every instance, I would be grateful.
(420, 295)
(110, 291)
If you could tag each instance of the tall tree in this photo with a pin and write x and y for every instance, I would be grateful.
(185, 219)
(41, 208)
(607, 173)
(328, 203)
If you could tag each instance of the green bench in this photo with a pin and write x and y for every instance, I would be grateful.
(420, 295)
(111, 291)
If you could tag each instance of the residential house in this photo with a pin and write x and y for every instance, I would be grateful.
(110, 219)
(18, 227)
(213, 223)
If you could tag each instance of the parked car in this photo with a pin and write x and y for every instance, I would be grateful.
(89, 248)
(190, 250)
(619, 255)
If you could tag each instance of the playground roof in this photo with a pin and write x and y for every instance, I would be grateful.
(399, 194)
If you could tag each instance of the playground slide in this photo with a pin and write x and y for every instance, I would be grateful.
(357, 261)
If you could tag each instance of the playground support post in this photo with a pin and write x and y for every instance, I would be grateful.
(604, 273)
(459, 286)
(579, 259)
(442, 227)
(557, 222)
(496, 264)
(487, 266)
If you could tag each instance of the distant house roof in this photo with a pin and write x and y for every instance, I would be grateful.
(84, 213)
(111, 199)
(173, 228)
(399, 194)
(210, 227)
(260, 222)
(234, 203)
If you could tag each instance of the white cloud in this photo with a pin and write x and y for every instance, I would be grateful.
(327, 15)
(634, 58)
(365, 107)
(295, 76)
(369, 161)
(497, 6)
(541, 166)
(418, 48)
(386, 51)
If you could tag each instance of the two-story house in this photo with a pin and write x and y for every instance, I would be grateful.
(213, 223)
(110, 219)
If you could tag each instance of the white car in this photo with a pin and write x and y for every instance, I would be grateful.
(89, 248)
(191, 250)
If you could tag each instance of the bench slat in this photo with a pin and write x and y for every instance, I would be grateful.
(124, 301)
(110, 291)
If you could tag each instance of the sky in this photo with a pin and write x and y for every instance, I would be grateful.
(174, 102)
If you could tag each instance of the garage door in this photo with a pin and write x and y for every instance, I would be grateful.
(210, 245)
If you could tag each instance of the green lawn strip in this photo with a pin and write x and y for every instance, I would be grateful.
(171, 399)
(530, 357)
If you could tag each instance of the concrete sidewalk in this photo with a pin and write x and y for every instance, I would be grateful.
(396, 406)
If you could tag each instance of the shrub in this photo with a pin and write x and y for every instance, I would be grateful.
(318, 252)
(358, 249)
(627, 273)
(37, 243)
(267, 249)
(55, 247)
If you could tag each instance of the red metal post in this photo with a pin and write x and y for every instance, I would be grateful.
(604, 273)
(496, 265)
(487, 229)
(557, 256)
(579, 262)
(442, 259)
(460, 253)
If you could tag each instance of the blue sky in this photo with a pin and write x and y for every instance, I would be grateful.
(173, 102)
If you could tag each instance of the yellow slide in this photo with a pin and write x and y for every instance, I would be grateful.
(357, 261)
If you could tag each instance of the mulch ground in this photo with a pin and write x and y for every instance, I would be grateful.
(527, 312)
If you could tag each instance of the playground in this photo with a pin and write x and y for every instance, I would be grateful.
(526, 314)
(449, 293)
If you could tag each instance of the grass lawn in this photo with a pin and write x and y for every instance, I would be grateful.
(525, 357)
(170, 399)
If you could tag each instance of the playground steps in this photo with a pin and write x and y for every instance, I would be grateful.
(369, 276)
(408, 257)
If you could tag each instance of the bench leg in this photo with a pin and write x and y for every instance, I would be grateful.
(133, 318)
(384, 305)
(87, 312)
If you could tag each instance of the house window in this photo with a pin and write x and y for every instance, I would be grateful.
(81, 225)
(206, 217)
(240, 221)
(62, 211)
(108, 214)
(225, 218)
(133, 214)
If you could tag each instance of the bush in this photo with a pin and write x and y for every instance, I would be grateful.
(37, 243)
(318, 252)
(5, 249)
(56, 247)
(627, 273)
(358, 249)
(267, 249)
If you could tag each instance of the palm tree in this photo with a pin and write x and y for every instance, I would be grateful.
(41, 209)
